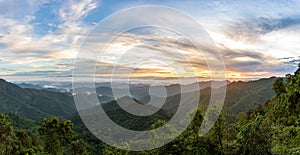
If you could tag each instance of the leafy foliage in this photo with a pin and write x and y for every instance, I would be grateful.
(57, 134)
(54, 137)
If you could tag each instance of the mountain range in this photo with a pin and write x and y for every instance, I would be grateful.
(38, 103)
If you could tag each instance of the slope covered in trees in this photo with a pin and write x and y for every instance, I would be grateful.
(52, 136)
(34, 104)
(37, 104)
(271, 128)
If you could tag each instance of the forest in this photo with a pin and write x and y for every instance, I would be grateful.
(272, 127)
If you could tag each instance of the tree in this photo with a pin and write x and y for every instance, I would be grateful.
(25, 142)
(190, 142)
(57, 135)
(254, 136)
(8, 141)
(287, 140)
(77, 147)
(298, 70)
(293, 92)
(279, 86)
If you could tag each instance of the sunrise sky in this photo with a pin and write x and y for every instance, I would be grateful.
(39, 39)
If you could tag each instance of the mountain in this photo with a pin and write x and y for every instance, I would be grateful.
(130, 121)
(240, 96)
(141, 91)
(32, 103)
(26, 105)
(243, 96)
(50, 86)
(117, 115)
(31, 86)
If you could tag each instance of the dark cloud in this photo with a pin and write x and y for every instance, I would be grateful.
(293, 62)
(286, 58)
(252, 61)
(266, 25)
(37, 73)
(250, 30)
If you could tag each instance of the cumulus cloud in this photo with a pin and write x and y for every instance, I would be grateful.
(40, 36)
(74, 10)
(23, 43)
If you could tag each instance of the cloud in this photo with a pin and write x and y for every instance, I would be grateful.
(253, 63)
(19, 8)
(45, 36)
(252, 29)
(176, 52)
(75, 10)
(23, 43)
(293, 62)
(144, 48)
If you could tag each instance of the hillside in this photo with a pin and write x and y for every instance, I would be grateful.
(240, 96)
(243, 96)
(33, 103)
(273, 127)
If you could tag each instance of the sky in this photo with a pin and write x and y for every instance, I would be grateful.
(40, 39)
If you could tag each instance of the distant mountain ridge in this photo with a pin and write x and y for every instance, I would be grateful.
(34, 103)
(240, 96)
